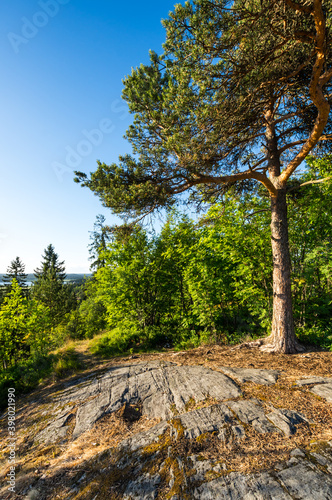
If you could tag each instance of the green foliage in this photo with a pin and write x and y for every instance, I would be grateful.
(87, 320)
(210, 281)
(49, 288)
(25, 327)
(128, 337)
(228, 276)
(184, 286)
(310, 243)
(100, 238)
(14, 332)
(67, 362)
(117, 341)
(25, 376)
(319, 335)
(28, 373)
(50, 267)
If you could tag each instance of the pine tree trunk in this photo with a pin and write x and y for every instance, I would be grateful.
(283, 336)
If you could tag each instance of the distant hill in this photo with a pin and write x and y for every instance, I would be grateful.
(71, 278)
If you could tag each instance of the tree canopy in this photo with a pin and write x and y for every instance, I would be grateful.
(241, 92)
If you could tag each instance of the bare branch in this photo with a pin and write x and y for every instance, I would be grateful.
(285, 117)
(319, 181)
(315, 182)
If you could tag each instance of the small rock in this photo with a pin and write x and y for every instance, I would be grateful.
(250, 412)
(321, 460)
(286, 420)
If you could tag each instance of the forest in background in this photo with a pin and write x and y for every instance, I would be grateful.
(203, 281)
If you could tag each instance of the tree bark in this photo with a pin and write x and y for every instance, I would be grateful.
(283, 337)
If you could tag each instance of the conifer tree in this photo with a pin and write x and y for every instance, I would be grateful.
(16, 271)
(49, 287)
(241, 95)
(51, 267)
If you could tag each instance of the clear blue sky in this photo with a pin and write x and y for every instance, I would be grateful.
(63, 62)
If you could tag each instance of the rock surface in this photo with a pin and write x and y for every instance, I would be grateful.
(210, 419)
(302, 481)
(241, 375)
(223, 420)
(324, 391)
(322, 387)
(298, 478)
(161, 388)
(314, 380)
(204, 415)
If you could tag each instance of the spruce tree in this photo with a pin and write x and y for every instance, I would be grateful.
(16, 270)
(49, 287)
(51, 267)
(240, 96)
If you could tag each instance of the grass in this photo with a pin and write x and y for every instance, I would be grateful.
(27, 375)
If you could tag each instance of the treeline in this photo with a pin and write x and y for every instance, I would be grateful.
(33, 321)
(30, 316)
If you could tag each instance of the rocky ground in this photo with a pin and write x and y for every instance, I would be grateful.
(210, 423)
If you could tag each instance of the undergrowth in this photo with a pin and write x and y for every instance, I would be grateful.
(27, 375)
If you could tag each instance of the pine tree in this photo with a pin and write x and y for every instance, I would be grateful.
(240, 96)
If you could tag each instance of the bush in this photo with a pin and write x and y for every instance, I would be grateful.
(117, 341)
(87, 320)
(25, 376)
(319, 335)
